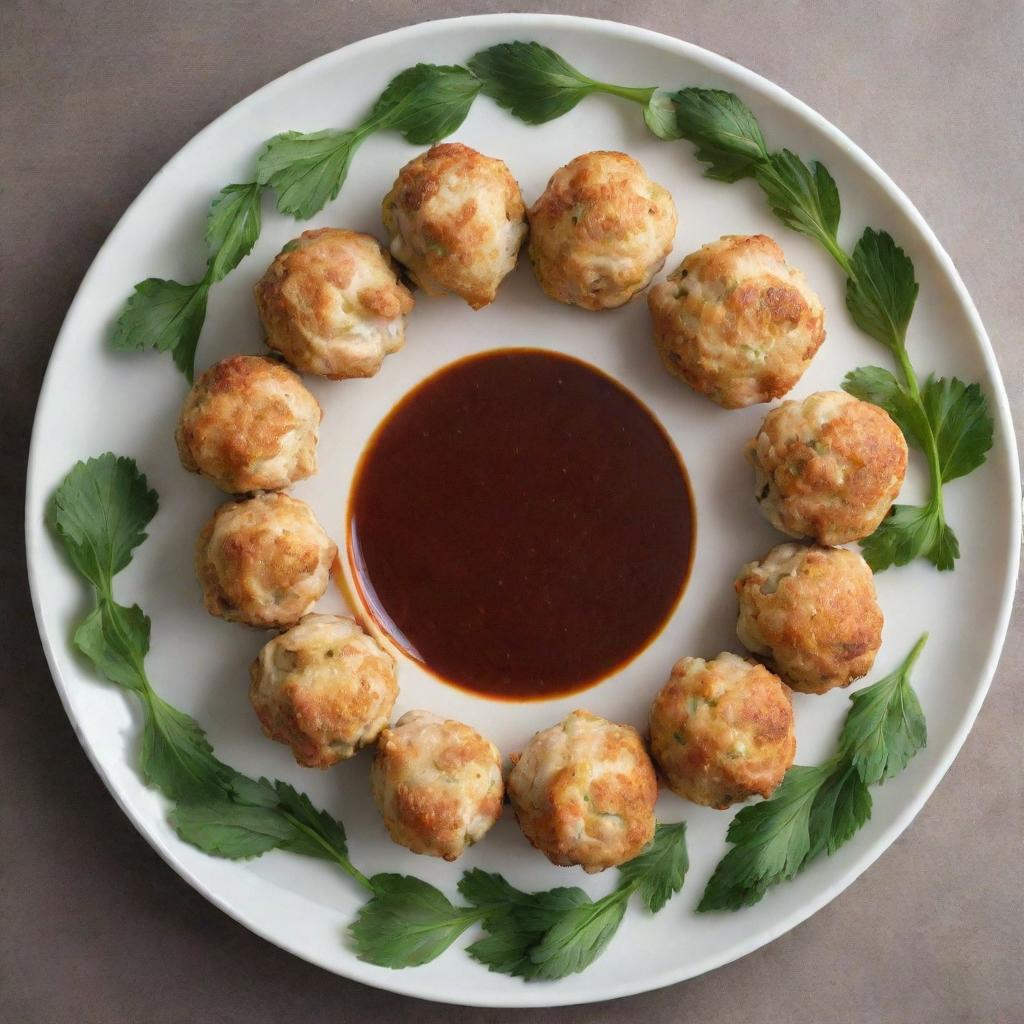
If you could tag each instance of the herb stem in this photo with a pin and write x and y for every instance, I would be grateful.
(638, 94)
(339, 858)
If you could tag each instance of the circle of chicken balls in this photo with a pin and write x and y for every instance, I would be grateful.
(332, 304)
(263, 562)
(249, 424)
(736, 322)
(722, 730)
(583, 792)
(437, 784)
(325, 688)
(828, 467)
(811, 614)
(600, 231)
(455, 221)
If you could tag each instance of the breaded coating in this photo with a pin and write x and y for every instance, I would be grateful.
(600, 231)
(722, 730)
(437, 784)
(583, 792)
(828, 467)
(811, 614)
(249, 424)
(264, 562)
(332, 304)
(324, 687)
(455, 220)
(736, 322)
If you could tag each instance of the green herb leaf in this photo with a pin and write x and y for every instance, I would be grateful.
(532, 82)
(909, 531)
(225, 828)
(164, 315)
(803, 198)
(116, 640)
(841, 806)
(426, 103)
(726, 133)
(771, 842)
(885, 727)
(232, 228)
(408, 922)
(579, 937)
(660, 117)
(659, 872)
(881, 289)
(880, 387)
(100, 513)
(307, 171)
(961, 423)
(176, 756)
(318, 834)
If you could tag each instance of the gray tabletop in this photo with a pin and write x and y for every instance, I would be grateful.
(94, 98)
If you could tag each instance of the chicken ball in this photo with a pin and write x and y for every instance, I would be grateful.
(583, 792)
(811, 614)
(437, 784)
(828, 467)
(455, 219)
(332, 304)
(249, 424)
(600, 231)
(722, 730)
(736, 322)
(263, 562)
(325, 688)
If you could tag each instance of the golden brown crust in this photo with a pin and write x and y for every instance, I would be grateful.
(811, 614)
(600, 231)
(456, 220)
(332, 304)
(263, 562)
(722, 730)
(249, 424)
(325, 688)
(736, 322)
(437, 784)
(583, 792)
(828, 467)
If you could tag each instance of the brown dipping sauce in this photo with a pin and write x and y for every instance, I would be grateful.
(521, 524)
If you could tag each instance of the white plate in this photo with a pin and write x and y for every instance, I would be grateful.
(94, 400)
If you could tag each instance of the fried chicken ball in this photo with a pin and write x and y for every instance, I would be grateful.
(324, 687)
(249, 424)
(811, 614)
(332, 304)
(583, 792)
(722, 730)
(828, 467)
(600, 231)
(736, 322)
(437, 784)
(455, 219)
(264, 561)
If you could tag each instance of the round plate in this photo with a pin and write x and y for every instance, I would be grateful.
(95, 400)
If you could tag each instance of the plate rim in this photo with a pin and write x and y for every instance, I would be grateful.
(402, 982)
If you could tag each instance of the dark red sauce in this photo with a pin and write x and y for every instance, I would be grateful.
(521, 524)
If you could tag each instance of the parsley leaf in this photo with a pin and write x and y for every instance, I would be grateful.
(224, 827)
(116, 640)
(885, 727)
(537, 85)
(307, 171)
(909, 531)
(318, 833)
(579, 937)
(426, 103)
(660, 116)
(880, 387)
(803, 198)
(407, 922)
(961, 424)
(100, 512)
(232, 228)
(659, 872)
(840, 807)
(725, 132)
(881, 288)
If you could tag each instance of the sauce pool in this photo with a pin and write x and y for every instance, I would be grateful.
(521, 524)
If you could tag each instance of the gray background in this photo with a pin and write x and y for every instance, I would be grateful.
(95, 97)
